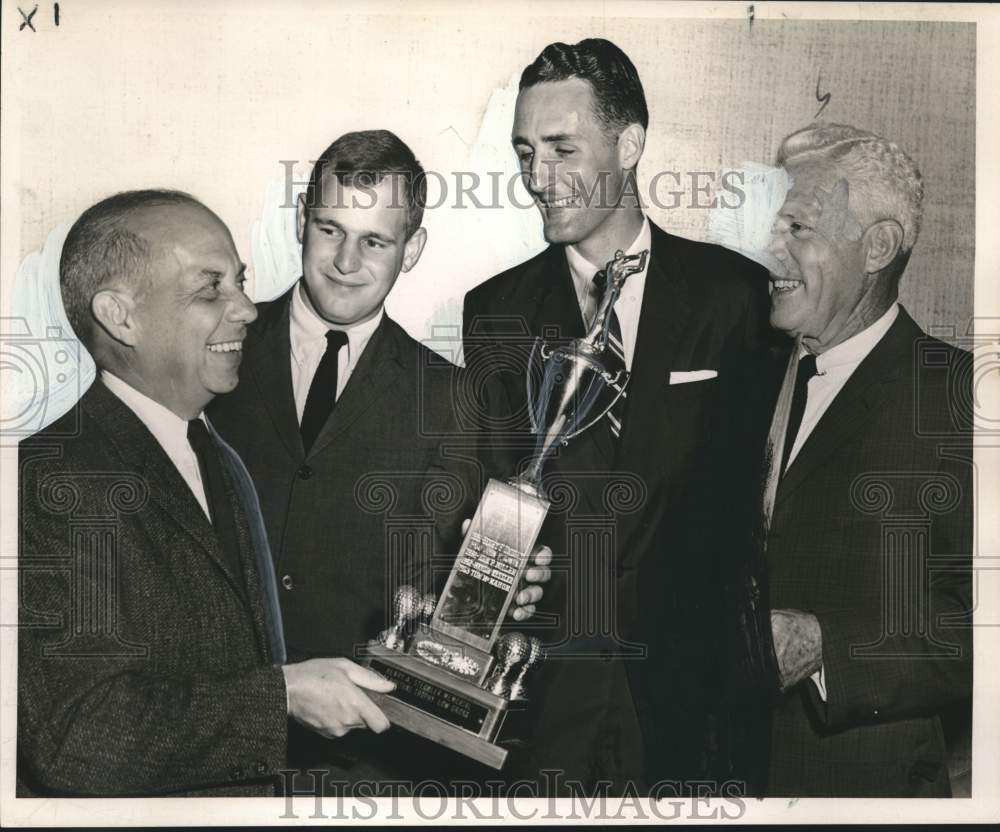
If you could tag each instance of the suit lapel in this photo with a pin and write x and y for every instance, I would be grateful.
(167, 488)
(378, 369)
(546, 308)
(268, 360)
(857, 400)
(557, 318)
(664, 309)
(557, 310)
(254, 584)
(255, 555)
(562, 309)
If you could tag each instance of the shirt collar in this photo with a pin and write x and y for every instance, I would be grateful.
(582, 270)
(306, 328)
(169, 429)
(856, 348)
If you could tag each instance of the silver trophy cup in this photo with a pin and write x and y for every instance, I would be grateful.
(578, 383)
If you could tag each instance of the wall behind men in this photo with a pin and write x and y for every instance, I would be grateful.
(212, 98)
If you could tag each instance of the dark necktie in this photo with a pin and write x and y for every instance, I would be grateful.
(806, 370)
(217, 497)
(615, 354)
(323, 390)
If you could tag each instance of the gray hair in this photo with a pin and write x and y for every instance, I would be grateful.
(884, 182)
(101, 252)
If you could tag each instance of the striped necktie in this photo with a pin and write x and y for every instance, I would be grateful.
(615, 356)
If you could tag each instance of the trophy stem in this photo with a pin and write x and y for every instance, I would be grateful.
(530, 481)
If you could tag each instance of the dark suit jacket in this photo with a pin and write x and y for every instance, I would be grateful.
(620, 513)
(145, 660)
(381, 492)
(872, 532)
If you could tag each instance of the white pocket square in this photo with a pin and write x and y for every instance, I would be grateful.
(685, 376)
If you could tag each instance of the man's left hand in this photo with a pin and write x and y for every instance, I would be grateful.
(798, 644)
(535, 575)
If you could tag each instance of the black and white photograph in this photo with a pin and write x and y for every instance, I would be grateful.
(528, 413)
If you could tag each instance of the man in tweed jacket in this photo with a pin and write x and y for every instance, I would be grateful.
(151, 655)
(869, 549)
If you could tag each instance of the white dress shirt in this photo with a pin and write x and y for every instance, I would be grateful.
(307, 333)
(629, 303)
(169, 429)
(833, 368)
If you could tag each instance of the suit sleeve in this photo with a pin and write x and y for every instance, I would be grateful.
(753, 331)
(924, 662)
(469, 313)
(105, 718)
(484, 397)
(731, 475)
(453, 478)
(447, 485)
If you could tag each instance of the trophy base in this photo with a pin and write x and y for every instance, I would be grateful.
(445, 709)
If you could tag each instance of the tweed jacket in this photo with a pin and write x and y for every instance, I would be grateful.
(147, 665)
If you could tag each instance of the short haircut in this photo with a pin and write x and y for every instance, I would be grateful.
(100, 252)
(884, 183)
(365, 158)
(620, 100)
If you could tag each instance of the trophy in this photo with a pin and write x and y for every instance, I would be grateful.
(459, 681)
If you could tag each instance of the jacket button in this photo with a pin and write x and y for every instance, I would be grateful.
(287, 582)
(262, 767)
(235, 773)
(305, 472)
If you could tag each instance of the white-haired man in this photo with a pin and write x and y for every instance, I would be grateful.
(870, 538)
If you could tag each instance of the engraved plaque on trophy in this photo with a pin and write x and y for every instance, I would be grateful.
(459, 681)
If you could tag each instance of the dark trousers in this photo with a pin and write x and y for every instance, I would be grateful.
(585, 735)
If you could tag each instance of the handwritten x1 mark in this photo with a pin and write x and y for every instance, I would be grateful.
(27, 19)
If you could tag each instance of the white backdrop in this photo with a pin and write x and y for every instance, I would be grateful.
(211, 97)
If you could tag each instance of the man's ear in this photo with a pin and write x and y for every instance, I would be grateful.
(631, 142)
(414, 248)
(882, 242)
(300, 217)
(114, 310)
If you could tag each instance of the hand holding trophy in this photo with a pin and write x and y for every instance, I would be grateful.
(458, 681)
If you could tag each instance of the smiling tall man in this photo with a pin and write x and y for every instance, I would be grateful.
(620, 698)
(151, 659)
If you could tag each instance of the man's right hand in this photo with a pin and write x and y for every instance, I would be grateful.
(326, 695)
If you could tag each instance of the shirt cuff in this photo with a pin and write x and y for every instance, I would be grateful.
(819, 680)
